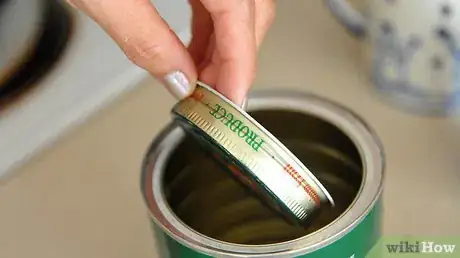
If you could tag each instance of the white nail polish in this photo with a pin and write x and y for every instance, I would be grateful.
(178, 85)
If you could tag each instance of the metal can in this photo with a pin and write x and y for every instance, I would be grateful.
(252, 154)
(197, 210)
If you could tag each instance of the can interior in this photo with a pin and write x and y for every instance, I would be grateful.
(211, 202)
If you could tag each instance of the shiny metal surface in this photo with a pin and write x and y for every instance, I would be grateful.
(251, 153)
(208, 200)
(202, 207)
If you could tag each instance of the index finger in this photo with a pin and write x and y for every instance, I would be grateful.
(146, 39)
(234, 28)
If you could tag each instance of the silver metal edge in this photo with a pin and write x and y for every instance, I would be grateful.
(369, 193)
(293, 206)
(277, 143)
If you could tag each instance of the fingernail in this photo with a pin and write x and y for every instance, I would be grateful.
(244, 105)
(178, 85)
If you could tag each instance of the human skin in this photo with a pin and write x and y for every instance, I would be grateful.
(226, 35)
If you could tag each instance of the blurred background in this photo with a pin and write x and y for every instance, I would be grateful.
(76, 118)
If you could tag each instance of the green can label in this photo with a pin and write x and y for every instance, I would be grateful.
(356, 244)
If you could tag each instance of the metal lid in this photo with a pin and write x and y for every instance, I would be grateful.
(251, 153)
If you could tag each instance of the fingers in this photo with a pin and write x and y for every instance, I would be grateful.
(210, 66)
(202, 30)
(264, 17)
(235, 46)
(146, 39)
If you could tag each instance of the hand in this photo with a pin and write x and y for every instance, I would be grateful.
(222, 52)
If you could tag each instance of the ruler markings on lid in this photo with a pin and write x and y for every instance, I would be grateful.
(287, 167)
(303, 169)
(219, 136)
(263, 159)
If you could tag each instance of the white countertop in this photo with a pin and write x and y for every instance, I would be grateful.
(81, 197)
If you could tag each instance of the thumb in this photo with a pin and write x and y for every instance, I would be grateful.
(146, 39)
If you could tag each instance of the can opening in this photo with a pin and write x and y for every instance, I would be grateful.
(212, 203)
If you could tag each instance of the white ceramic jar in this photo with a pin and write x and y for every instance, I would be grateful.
(412, 48)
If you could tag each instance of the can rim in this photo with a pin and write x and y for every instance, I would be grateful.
(285, 209)
(288, 165)
(275, 141)
(362, 135)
